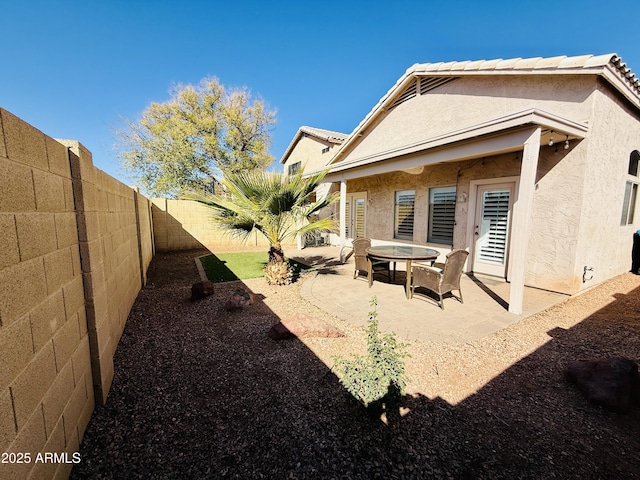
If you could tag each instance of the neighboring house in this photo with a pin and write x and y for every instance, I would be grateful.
(313, 149)
(530, 164)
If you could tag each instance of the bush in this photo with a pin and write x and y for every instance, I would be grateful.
(379, 377)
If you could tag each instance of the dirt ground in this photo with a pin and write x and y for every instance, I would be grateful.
(203, 393)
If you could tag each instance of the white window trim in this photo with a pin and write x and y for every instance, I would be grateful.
(630, 205)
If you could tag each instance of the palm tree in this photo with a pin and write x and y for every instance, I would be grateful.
(278, 206)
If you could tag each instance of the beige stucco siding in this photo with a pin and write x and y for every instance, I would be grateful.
(578, 193)
(381, 194)
(555, 218)
(469, 101)
(604, 244)
(308, 151)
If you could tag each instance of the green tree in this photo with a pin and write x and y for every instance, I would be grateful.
(278, 206)
(184, 143)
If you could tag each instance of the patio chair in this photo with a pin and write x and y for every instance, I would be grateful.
(360, 246)
(441, 280)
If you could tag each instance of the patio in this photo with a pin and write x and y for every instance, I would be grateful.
(484, 311)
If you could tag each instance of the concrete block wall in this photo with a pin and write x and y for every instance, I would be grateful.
(111, 216)
(46, 393)
(185, 224)
(71, 264)
(145, 234)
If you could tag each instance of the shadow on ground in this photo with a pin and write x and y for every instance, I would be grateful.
(202, 393)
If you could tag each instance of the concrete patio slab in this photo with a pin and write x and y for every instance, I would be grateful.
(484, 311)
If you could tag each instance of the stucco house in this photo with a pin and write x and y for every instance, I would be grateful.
(529, 164)
(310, 150)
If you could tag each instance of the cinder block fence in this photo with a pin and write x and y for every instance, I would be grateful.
(75, 245)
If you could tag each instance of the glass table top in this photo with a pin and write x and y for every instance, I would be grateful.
(403, 252)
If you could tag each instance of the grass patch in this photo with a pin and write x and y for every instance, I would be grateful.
(227, 267)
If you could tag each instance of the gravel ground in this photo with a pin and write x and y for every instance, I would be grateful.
(202, 393)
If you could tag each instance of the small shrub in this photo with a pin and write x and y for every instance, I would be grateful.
(378, 377)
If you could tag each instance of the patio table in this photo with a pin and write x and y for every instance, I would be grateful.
(394, 253)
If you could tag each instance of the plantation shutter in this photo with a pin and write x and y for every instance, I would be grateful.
(404, 209)
(495, 216)
(359, 217)
(347, 213)
(442, 215)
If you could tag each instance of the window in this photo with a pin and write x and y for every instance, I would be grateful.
(403, 215)
(326, 149)
(442, 214)
(294, 168)
(630, 190)
(633, 163)
(629, 205)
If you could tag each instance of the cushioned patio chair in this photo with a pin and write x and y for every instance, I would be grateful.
(360, 246)
(441, 280)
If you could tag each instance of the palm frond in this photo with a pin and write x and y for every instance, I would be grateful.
(279, 207)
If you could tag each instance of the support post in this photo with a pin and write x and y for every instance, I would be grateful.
(522, 220)
(343, 211)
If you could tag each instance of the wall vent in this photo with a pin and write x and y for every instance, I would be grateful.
(410, 92)
(425, 85)
(430, 83)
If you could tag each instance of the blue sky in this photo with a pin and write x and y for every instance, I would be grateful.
(73, 69)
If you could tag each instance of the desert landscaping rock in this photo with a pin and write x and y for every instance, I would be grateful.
(611, 382)
(280, 332)
(239, 299)
(201, 290)
(212, 396)
(302, 325)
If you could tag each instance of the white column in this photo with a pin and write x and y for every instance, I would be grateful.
(343, 211)
(522, 220)
(299, 243)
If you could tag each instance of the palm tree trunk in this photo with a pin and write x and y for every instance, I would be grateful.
(276, 254)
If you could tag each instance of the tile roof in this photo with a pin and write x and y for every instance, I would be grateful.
(328, 135)
(610, 66)
(537, 63)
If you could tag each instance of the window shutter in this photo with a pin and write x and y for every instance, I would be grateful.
(359, 223)
(405, 200)
(495, 215)
(347, 218)
(442, 214)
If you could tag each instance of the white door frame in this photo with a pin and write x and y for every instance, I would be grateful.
(351, 197)
(474, 185)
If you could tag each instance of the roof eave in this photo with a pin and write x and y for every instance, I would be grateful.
(617, 79)
(516, 120)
